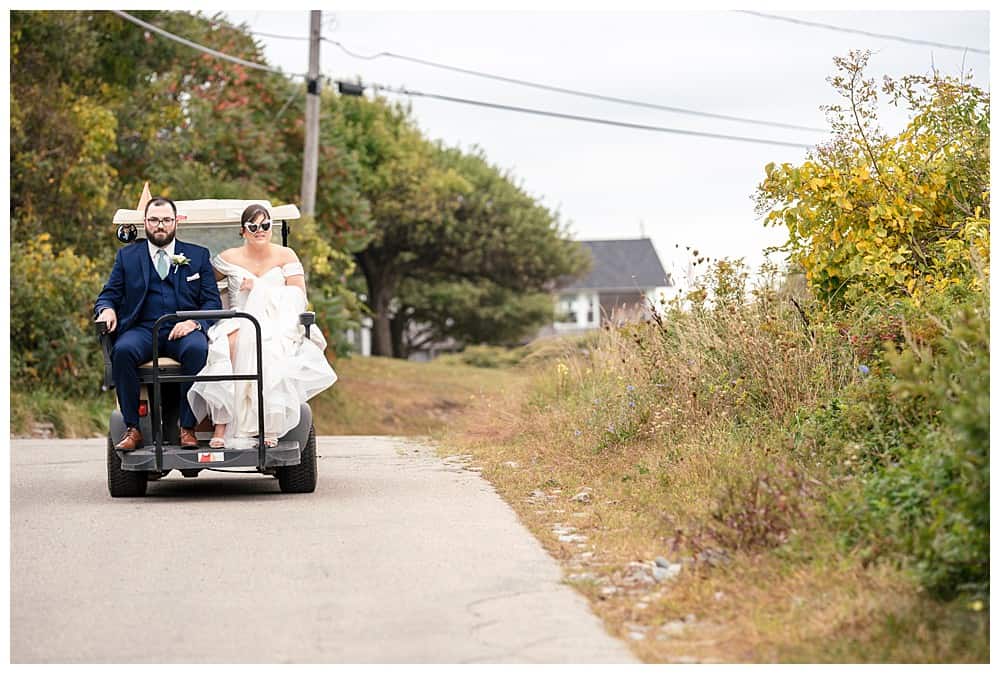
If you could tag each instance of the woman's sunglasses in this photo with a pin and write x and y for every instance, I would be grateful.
(252, 226)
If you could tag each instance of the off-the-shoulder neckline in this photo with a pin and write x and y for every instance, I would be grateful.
(277, 266)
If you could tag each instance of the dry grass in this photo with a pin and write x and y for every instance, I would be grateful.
(808, 602)
(385, 396)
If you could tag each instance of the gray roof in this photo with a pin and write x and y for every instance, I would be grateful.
(622, 264)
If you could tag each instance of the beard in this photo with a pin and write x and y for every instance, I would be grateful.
(159, 237)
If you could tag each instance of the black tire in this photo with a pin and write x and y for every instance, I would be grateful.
(301, 479)
(123, 482)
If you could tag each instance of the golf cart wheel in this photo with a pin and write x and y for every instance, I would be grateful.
(123, 482)
(301, 479)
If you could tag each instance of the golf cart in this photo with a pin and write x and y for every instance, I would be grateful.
(212, 223)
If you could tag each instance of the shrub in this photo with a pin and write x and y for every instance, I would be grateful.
(53, 344)
(761, 510)
(916, 441)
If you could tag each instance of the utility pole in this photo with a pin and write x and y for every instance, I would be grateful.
(310, 159)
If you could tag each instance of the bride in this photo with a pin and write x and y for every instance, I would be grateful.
(267, 281)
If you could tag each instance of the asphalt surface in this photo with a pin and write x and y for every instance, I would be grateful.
(398, 556)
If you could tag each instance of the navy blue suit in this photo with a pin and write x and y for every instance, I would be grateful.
(138, 296)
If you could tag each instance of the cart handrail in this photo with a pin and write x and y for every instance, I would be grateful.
(208, 314)
(157, 408)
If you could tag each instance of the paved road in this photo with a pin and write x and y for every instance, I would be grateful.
(397, 557)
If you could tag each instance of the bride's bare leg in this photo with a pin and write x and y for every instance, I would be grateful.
(218, 435)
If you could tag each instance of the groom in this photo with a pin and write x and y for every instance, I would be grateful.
(161, 276)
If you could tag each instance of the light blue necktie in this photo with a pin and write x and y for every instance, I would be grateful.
(161, 264)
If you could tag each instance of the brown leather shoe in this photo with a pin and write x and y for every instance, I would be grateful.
(132, 440)
(188, 439)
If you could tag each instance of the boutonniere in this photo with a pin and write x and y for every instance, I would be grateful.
(179, 260)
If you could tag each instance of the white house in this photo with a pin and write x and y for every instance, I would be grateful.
(626, 275)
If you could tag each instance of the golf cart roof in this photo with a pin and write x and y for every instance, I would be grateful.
(211, 211)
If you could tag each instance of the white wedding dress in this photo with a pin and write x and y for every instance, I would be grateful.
(295, 368)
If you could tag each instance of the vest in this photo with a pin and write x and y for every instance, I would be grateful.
(161, 298)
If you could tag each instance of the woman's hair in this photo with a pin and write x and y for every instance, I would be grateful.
(251, 212)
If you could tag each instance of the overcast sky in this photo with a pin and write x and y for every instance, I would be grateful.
(612, 182)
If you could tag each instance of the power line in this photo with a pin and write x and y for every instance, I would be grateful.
(572, 92)
(202, 48)
(882, 36)
(280, 37)
(579, 118)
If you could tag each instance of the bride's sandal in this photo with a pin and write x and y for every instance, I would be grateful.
(218, 440)
(270, 441)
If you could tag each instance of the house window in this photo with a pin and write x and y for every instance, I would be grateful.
(567, 310)
(590, 310)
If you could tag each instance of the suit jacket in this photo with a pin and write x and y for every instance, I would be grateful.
(128, 284)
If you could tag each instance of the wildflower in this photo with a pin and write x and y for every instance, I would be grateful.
(597, 401)
(577, 432)
(631, 403)
(611, 429)
(630, 388)
(863, 369)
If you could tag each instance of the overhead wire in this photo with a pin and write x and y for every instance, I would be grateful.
(549, 87)
(580, 118)
(573, 92)
(881, 36)
(280, 37)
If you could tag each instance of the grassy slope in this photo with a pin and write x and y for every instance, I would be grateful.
(384, 396)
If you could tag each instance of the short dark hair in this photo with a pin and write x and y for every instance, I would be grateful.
(160, 201)
(251, 212)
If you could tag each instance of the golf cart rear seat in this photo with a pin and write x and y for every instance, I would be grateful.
(168, 366)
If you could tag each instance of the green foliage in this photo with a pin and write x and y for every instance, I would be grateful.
(327, 268)
(54, 345)
(902, 215)
(913, 441)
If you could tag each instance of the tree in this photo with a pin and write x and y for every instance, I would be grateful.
(895, 215)
(441, 216)
(480, 312)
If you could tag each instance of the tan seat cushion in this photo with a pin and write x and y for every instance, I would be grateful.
(164, 362)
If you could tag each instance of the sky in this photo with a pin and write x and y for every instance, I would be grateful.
(609, 182)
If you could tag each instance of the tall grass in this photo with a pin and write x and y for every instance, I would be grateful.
(757, 412)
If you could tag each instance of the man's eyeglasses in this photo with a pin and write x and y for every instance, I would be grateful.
(156, 222)
(252, 226)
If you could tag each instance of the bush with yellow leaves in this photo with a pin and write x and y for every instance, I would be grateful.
(894, 215)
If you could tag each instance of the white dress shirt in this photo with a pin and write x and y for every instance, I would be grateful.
(168, 249)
